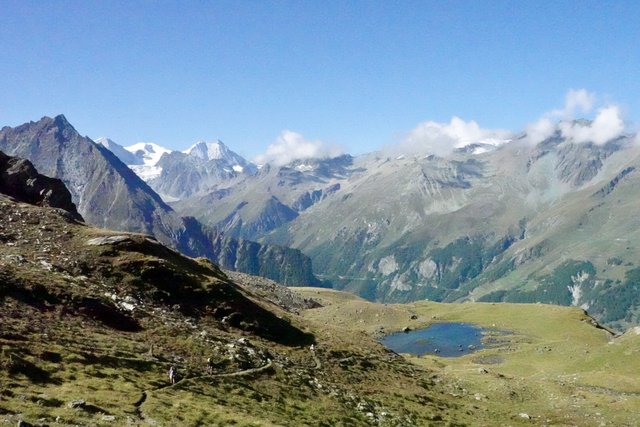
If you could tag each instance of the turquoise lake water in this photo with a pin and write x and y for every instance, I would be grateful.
(442, 339)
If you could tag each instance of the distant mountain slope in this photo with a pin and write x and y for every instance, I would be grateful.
(260, 203)
(493, 223)
(126, 156)
(108, 194)
(202, 167)
(174, 174)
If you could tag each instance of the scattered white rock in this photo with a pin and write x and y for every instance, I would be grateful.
(388, 265)
(127, 305)
(76, 404)
(107, 240)
(635, 330)
(19, 259)
(46, 265)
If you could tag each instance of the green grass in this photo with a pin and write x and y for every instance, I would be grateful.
(57, 345)
(59, 342)
(556, 365)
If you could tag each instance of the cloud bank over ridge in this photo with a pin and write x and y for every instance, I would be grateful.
(607, 124)
(604, 122)
(290, 146)
(441, 139)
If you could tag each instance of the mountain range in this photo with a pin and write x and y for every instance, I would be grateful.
(92, 319)
(108, 194)
(548, 222)
(512, 221)
(178, 174)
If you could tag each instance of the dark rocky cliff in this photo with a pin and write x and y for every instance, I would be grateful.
(20, 180)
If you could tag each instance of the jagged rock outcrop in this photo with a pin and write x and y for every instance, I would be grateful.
(20, 180)
(310, 198)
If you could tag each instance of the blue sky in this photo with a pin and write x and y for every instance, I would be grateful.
(360, 75)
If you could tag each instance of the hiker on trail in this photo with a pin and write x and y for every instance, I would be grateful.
(172, 375)
(209, 366)
(313, 347)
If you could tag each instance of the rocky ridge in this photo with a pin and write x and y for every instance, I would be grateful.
(109, 195)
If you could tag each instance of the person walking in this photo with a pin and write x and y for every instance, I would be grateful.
(172, 375)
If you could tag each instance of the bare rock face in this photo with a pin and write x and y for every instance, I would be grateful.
(20, 180)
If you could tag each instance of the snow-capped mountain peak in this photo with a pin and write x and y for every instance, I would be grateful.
(127, 157)
(215, 150)
(304, 168)
(181, 174)
(496, 142)
(148, 152)
(106, 141)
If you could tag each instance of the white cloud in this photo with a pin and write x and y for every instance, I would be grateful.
(290, 146)
(537, 132)
(607, 124)
(442, 138)
(578, 101)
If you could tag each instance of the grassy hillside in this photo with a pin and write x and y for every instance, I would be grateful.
(92, 320)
